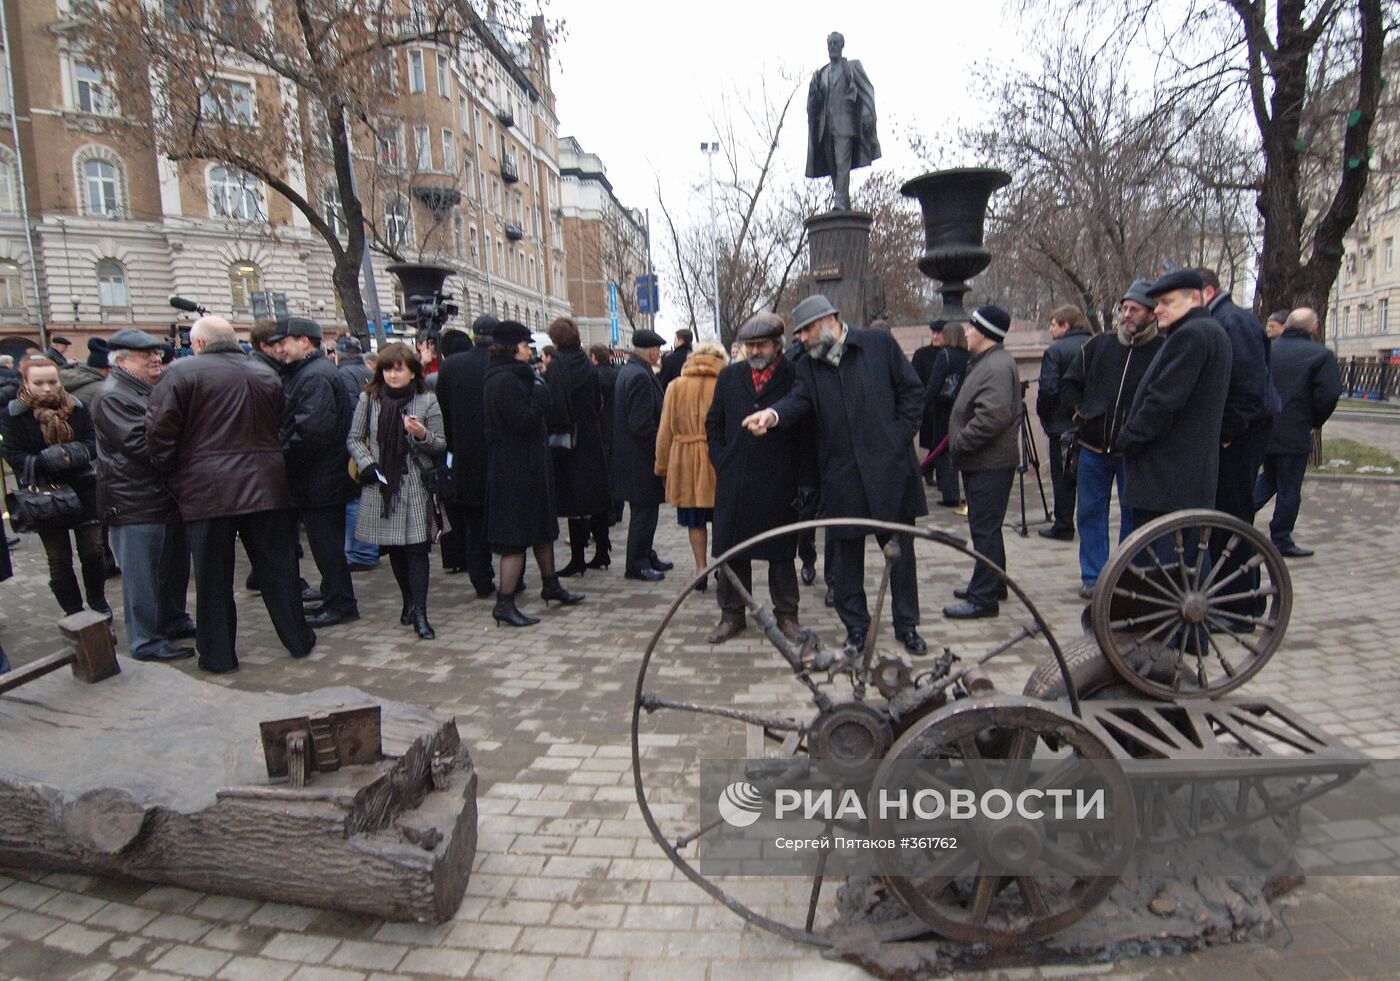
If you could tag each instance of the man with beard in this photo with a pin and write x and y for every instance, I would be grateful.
(315, 425)
(758, 484)
(147, 534)
(636, 420)
(867, 403)
(1097, 389)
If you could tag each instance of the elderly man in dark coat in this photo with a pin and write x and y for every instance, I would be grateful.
(1309, 385)
(636, 419)
(1171, 439)
(213, 428)
(867, 403)
(314, 428)
(758, 482)
(132, 500)
(461, 387)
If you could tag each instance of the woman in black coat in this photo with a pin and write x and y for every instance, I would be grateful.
(520, 510)
(49, 433)
(580, 473)
(944, 381)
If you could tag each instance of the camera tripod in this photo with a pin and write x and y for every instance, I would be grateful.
(1030, 460)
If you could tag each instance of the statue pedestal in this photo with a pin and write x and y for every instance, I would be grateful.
(839, 251)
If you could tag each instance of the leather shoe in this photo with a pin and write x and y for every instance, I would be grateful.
(645, 573)
(1086, 591)
(948, 504)
(328, 618)
(855, 643)
(185, 629)
(1056, 534)
(724, 630)
(660, 564)
(970, 611)
(831, 596)
(912, 642)
(485, 589)
(1294, 552)
(961, 593)
(167, 653)
(309, 595)
(809, 574)
(221, 669)
(790, 627)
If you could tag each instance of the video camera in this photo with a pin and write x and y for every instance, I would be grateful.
(433, 310)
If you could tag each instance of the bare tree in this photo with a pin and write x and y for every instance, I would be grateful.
(325, 72)
(896, 243)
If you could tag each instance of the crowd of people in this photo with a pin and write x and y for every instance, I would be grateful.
(472, 442)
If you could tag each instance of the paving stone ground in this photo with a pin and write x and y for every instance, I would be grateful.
(568, 884)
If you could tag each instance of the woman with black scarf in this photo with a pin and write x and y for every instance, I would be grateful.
(395, 436)
(519, 478)
(49, 433)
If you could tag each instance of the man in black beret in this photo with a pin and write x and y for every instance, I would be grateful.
(57, 350)
(461, 389)
(866, 402)
(315, 426)
(1171, 439)
(636, 419)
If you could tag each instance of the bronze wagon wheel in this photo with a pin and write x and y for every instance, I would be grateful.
(1192, 605)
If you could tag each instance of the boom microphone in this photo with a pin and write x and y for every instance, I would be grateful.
(189, 306)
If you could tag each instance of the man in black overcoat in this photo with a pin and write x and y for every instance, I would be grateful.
(758, 483)
(923, 360)
(314, 428)
(636, 419)
(867, 403)
(1309, 385)
(672, 363)
(461, 387)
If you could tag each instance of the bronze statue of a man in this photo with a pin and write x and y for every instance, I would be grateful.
(840, 121)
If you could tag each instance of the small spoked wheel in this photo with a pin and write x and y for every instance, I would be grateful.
(1192, 605)
(1002, 879)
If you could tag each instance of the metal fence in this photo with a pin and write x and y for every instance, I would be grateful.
(1370, 378)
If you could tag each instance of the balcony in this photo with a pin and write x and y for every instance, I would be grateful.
(509, 173)
(514, 232)
(505, 117)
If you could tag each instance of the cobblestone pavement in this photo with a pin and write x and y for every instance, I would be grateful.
(568, 884)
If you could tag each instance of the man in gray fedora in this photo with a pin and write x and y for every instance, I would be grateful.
(867, 403)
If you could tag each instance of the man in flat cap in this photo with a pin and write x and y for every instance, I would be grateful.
(140, 514)
(1171, 439)
(867, 404)
(758, 482)
(57, 351)
(636, 419)
(314, 429)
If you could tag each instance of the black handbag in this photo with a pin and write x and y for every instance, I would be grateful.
(36, 504)
(438, 481)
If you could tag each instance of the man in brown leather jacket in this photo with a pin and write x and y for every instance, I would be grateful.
(213, 429)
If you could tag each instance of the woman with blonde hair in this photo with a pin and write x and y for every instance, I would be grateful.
(682, 456)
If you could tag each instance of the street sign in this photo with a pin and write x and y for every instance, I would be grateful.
(647, 294)
(612, 310)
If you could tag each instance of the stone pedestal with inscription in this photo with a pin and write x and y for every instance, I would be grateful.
(839, 251)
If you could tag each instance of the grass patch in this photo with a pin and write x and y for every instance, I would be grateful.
(1347, 456)
(1366, 405)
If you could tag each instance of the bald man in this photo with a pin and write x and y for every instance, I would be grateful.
(213, 429)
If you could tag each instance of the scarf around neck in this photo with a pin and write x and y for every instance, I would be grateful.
(393, 442)
(51, 412)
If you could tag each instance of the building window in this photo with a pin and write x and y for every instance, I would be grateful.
(386, 73)
(1385, 316)
(232, 194)
(11, 295)
(7, 184)
(230, 101)
(1392, 197)
(100, 178)
(91, 91)
(491, 138)
(389, 140)
(422, 148)
(449, 151)
(442, 77)
(464, 114)
(396, 221)
(111, 285)
(243, 281)
(333, 211)
(415, 71)
(471, 237)
(1346, 321)
(1389, 254)
(1361, 321)
(477, 115)
(467, 178)
(457, 244)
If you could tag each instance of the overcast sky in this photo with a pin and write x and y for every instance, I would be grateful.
(636, 81)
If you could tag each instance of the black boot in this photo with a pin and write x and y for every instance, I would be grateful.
(505, 612)
(95, 585)
(554, 591)
(578, 545)
(66, 591)
(603, 557)
(406, 617)
(421, 626)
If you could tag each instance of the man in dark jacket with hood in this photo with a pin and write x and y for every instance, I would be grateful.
(1172, 437)
(213, 428)
(315, 425)
(1097, 390)
(866, 402)
(636, 420)
(141, 516)
(1068, 334)
(1309, 385)
(461, 389)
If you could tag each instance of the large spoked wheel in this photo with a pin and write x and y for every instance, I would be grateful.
(1016, 879)
(1192, 605)
(782, 709)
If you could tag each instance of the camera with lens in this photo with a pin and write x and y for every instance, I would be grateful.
(433, 311)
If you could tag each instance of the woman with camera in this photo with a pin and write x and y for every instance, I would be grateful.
(395, 437)
(49, 440)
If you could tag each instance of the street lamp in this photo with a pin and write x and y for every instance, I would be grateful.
(76, 300)
(709, 150)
